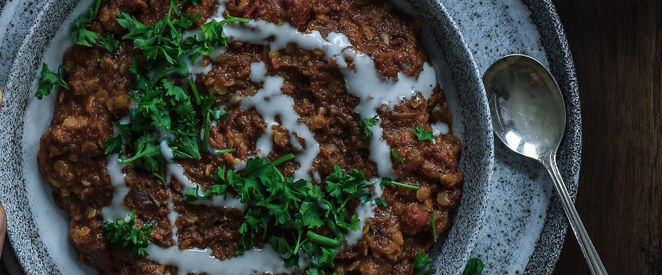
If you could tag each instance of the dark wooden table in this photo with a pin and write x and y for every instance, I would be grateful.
(617, 49)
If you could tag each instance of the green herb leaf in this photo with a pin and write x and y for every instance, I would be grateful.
(213, 35)
(193, 195)
(185, 148)
(160, 43)
(369, 123)
(125, 234)
(396, 157)
(81, 35)
(160, 103)
(108, 42)
(421, 260)
(387, 181)
(213, 31)
(49, 79)
(114, 145)
(342, 188)
(220, 114)
(142, 81)
(380, 202)
(224, 151)
(293, 208)
(205, 108)
(434, 228)
(474, 267)
(421, 134)
(148, 156)
(327, 258)
(310, 212)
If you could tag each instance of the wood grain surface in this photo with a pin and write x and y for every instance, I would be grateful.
(617, 49)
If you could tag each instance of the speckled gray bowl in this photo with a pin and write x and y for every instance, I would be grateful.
(39, 233)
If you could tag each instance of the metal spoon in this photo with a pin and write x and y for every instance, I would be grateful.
(528, 115)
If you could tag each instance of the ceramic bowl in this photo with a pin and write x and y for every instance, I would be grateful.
(38, 230)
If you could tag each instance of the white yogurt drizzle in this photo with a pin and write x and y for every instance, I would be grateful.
(196, 260)
(363, 81)
(116, 210)
(166, 151)
(440, 128)
(254, 261)
(176, 171)
(270, 102)
(365, 211)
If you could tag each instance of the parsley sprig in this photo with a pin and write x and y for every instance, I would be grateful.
(434, 228)
(474, 267)
(397, 158)
(214, 37)
(387, 181)
(421, 260)
(193, 195)
(293, 211)
(161, 104)
(48, 80)
(422, 134)
(108, 42)
(160, 43)
(81, 35)
(367, 123)
(224, 151)
(165, 106)
(127, 235)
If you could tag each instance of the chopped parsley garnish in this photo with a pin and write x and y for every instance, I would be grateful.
(421, 134)
(159, 103)
(160, 43)
(293, 211)
(367, 123)
(192, 195)
(108, 42)
(387, 181)
(126, 234)
(185, 148)
(81, 35)
(224, 151)
(220, 114)
(205, 107)
(434, 228)
(49, 79)
(380, 202)
(421, 260)
(474, 267)
(397, 158)
(214, 37)
(114, 145)
(164, 106)
(147, 155)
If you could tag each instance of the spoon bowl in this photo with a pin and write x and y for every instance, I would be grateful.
(528, 115)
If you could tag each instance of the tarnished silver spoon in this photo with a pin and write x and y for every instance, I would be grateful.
(528, 115)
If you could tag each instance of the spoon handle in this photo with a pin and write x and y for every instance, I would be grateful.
(592, 257)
